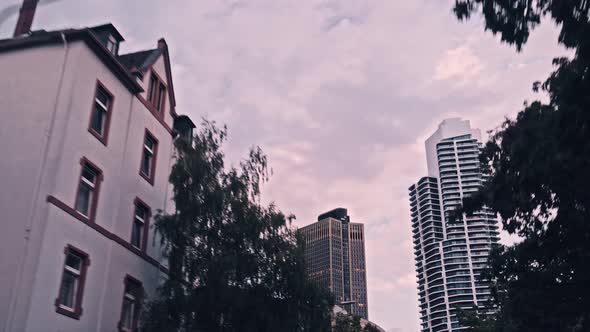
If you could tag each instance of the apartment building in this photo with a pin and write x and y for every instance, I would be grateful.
(87, 137)
(451, 252)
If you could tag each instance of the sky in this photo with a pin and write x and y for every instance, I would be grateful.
(340, 94)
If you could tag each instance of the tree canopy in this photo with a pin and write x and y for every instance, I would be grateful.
(349, 323)
(539, 167)
(234, 264)
(515, 19)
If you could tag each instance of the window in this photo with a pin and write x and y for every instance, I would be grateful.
(112, 44)
(139, 230)
(161, 98)
(101, 113)
(148, 157)
(69, 300)
(130, 308)
(157, 93)
(153, 85)
(88, 187)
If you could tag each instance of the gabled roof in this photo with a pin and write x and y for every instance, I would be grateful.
(140, 61)
(123, 66)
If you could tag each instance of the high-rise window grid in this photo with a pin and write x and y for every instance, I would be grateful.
(445, 283)
(327, 242)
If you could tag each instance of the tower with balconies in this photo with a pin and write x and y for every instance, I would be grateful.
(450, 253)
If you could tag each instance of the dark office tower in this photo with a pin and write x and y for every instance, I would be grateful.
(335, 256)
(451, 252)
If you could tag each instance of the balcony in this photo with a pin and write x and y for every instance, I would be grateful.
(447, 158)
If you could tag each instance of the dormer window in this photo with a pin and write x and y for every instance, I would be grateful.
(112, 44)
(108, 36)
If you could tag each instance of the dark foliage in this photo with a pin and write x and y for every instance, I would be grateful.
(348, 323)
(371, 328)
(234, 264)
(515, 19)
(539, 167)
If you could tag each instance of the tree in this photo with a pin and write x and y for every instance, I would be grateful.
(514, 20)
(234, 264)
(347, 323)
(350, 323)
(539, 167)
(371, 328)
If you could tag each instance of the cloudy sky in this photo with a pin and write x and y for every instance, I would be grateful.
(341, 94)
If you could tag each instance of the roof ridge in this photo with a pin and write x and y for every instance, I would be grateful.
(137, 52)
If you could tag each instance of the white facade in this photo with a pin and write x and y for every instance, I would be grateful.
(47, 98)
(447, 128)
(450, 255)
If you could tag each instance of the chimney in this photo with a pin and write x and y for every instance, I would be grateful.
(162, 44)
(25, 18)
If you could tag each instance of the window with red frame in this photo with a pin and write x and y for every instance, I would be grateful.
(139, 230)
(148, 157)
(88, 187)
(130, 308)
(100, 116)
(69, 300)
(157, 93)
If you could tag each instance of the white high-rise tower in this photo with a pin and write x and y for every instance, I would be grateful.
(450, 254)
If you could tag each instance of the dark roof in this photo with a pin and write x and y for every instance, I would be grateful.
(140, 61)
(184, 121)
(122, 66)
(110, 28)
(42, 38)
(338, 213)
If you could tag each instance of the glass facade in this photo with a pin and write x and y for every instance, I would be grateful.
(335, 258)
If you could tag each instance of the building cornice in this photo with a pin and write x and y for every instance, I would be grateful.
(43, 38)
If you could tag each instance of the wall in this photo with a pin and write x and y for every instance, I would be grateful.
(28, 97)
(53, 229)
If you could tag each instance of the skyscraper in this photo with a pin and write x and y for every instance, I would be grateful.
(335, 257)
(450, 254)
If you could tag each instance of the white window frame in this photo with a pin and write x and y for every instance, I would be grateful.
(150, 152)
(142, 221)
(104, 109)
(77, 274)
(132, 310)
(92, 185)
(111, 44)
